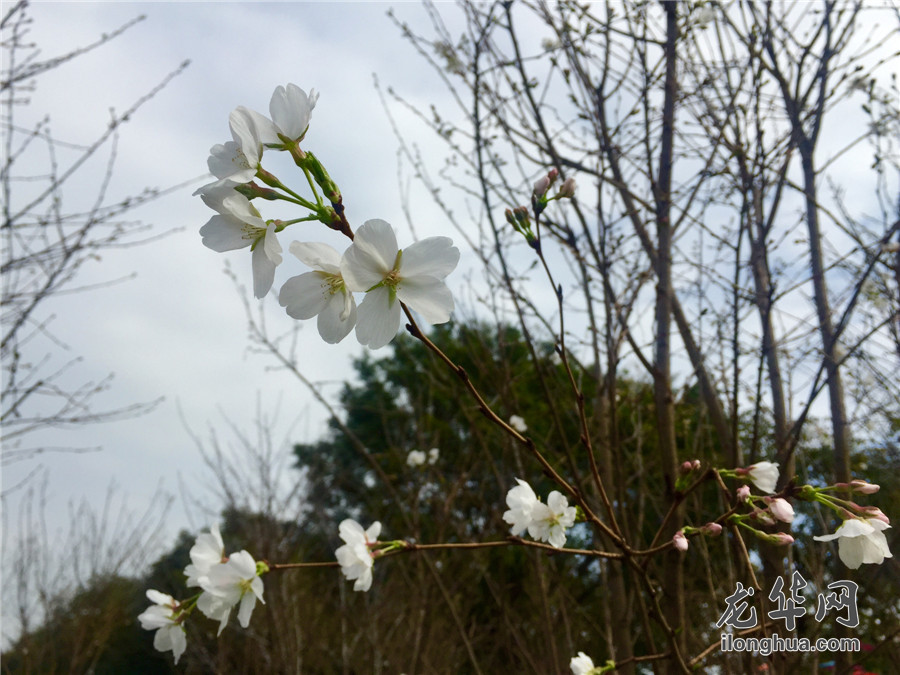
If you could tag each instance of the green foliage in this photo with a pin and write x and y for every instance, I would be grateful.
(95, 630)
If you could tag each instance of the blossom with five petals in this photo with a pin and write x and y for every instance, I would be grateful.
(239, 225)
(549, 521)
(389, 276)
(355, 556)
(230, 583)
(860, 540)
(165, 617)
(321, 293)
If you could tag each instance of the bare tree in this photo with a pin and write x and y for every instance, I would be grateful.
(696, 133)
(46, 244)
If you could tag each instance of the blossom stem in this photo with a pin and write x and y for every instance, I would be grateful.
(488, 412)
(312, 186)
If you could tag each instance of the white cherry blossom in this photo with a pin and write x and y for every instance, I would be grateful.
(521, 501)
(321, 293)
(415, 458)
(781, 509)
(764, 476)
(291, 109)
(549, 521)
(581, 664)
(229, 584)
(238, 225)
(517, 423)
(355, 556)
(860, 540)
(237, 161)
(164, 616)
(208, 550)
(414, 276)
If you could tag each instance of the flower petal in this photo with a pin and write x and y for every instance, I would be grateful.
(429, 296)
(248, 602)
(305, 295)
(337, 318)
(245, 132)
(378, 319)
(263, 271)
(318, 256)
(351, 531)
(434, 256)
(271, 245)
(373, 531)
(227, 161)
(224, 233)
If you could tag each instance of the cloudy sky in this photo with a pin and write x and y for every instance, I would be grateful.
(177, 329)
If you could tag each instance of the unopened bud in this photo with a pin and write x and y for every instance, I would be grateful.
(320, 175)
(874, 512)
(686, 467)
(781, 539)
(712, 529)
(781, 509)
(680, 541)
(743, 493)
(763, 517)
(863, 487)
(252, 190)
(521, 221)
(567, 189)
(541, 186)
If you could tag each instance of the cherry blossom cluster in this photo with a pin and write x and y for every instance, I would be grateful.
(418, 458)
(373, 264)
(860, 536)
(226, 582)
(544, 522)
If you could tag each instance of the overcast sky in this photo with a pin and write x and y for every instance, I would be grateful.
(178, 329)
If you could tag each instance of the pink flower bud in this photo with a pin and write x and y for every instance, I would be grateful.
(696, 464)
(680, 541)
(863, 487)
(782, 509)
(875, 512)
(541, 186)
(686, 468)
(781, 539)
(743, 493)
(712, 529)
